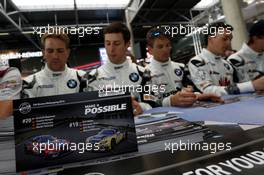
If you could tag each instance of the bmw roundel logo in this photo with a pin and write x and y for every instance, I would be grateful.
(178, 72)
(25, 108)
(72, 83)
(134, 77)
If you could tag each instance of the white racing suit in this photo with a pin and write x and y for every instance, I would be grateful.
(10, 83)
(10, 88)
(248, 64)
(110, 77)
(48, 83)
(170, 75)
(213, 74)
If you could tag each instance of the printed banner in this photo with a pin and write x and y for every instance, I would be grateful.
(71, 128)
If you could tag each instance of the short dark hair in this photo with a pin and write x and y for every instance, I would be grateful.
(257, 29)
(118, 27)
(155, 33)
(213, 30)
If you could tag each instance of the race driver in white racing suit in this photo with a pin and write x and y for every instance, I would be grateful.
(249, 60)
(119, 72)
(171, 75)
(211, 73)
(56, 78)
(10, 87)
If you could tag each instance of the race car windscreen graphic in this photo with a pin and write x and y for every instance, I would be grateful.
(56, 130)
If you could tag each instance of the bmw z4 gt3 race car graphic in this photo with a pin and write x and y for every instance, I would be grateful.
(46, 145)
(107, 139)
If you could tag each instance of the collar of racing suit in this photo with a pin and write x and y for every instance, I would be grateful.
(57, 74)
(117, 67)
(253, 54)
(209, 56)
(158, 63)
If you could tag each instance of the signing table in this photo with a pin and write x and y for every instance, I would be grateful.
(246, 155)
(242, 109)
